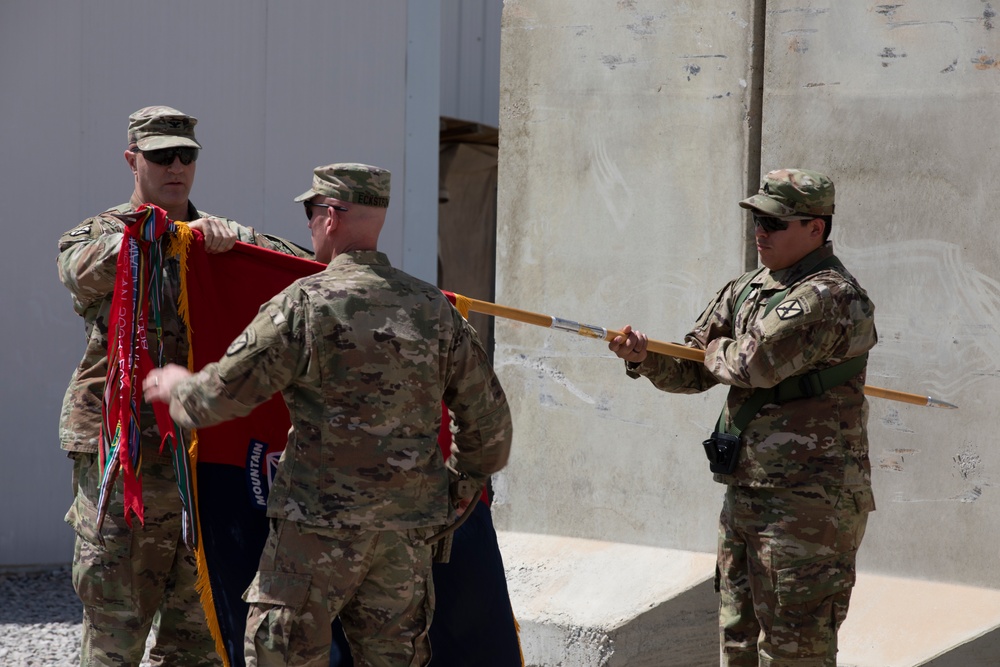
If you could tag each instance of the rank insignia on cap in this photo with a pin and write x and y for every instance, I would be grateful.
(788, 309)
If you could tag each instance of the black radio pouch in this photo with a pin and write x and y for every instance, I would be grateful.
(723, 452)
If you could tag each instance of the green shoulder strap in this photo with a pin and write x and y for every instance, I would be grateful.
(744, 294)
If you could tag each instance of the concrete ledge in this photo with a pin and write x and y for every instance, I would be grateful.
(588, 603)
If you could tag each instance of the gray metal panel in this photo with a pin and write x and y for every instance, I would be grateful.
(470, 65)
(490, 76)
(451, 17)
(423, 99)
(335, 93)
(470, 60)
(41, 341)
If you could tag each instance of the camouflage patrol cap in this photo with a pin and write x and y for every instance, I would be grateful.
(790, 192)
(350, 182)
(151, 128)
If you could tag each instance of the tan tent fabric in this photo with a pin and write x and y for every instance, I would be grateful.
(467, 215)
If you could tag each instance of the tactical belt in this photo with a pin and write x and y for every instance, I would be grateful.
(806, 385)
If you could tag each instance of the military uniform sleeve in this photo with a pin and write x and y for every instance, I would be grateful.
(473, 393)
(677, 376)
(809, 329)
(285, 246)
(685, 376)
(266, 358)
(269, 241)
(88, 260)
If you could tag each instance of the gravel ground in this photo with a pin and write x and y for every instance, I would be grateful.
(39, 619)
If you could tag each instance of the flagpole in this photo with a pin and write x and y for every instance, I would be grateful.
(661, 347)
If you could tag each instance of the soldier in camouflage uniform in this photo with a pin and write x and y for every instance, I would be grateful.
(797, 501)
(146, 571)
(363, 354)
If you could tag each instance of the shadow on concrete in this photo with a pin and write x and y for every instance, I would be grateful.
(981, 652)
(681, 632)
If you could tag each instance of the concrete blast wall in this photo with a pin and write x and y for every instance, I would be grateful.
(629, 130)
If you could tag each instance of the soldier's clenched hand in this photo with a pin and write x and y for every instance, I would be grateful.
(218, 236)
(631, 346)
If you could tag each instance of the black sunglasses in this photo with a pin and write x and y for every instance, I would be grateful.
(165, 156)
(769, 223)
(310, 204)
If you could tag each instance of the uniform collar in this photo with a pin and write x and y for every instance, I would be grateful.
(369, 257)
(790, 275)
(192, 212)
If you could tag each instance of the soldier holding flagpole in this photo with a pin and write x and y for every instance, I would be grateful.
(791, 445)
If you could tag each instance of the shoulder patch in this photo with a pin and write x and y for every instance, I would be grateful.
(81, 231)
(244, 339)
(790, 308)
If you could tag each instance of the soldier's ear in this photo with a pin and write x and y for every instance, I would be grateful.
(332, 222)
(818, 227)
(130, 160)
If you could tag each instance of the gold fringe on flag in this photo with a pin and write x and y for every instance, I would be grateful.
(180, 245)
(463, 304)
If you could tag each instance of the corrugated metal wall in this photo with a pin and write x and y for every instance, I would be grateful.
(470, 60)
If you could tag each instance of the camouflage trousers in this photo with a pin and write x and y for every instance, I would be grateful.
(786, 568)
(142, 578)
(379, 582)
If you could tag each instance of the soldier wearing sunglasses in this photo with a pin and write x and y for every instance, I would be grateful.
(791, 445)
(136, 573)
